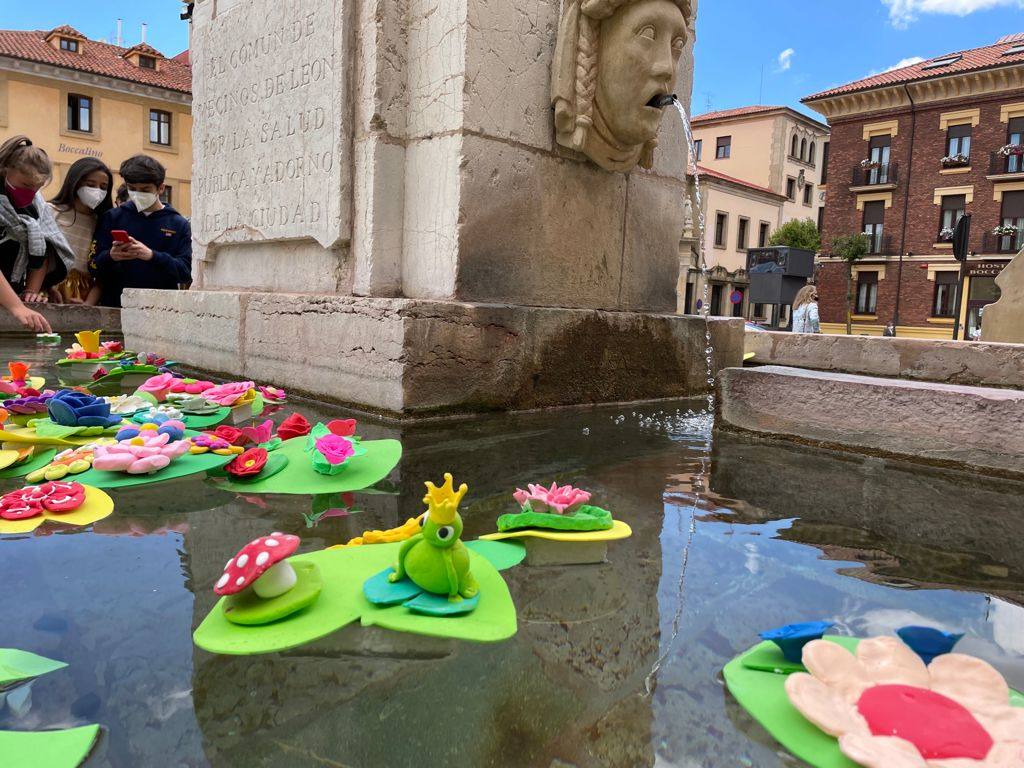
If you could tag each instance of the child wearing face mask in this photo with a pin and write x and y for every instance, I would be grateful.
(34, 254)
(158, 250)
(83, 198)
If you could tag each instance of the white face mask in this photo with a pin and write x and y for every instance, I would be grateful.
(91, 197)
(143, 200)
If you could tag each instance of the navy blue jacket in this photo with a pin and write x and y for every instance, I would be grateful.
(166, 232)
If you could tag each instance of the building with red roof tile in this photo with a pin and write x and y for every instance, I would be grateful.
(912, 151)
(77, 97)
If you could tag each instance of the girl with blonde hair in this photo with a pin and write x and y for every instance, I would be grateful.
(805, 311)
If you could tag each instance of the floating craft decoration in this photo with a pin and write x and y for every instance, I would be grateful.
(432, 574)
(885, 706)
(68, 503)
(188, 387)
(128, 405)
(143, 454)
(148, 358)
(558, 508)
(792, 638)
(158, 414)
(173, 428)
(196, 405)
(207, 443)
(20, 380)
(330, 452)
(18, 667)
(255, 464)
(111, 348)
(72, 461)
(125, 372)
(407, 530)
(263, 586)
(68, 748)
(928, 642)
(80, 409)
(233, 435)
(262, 435)
(22, 409)
(231, 394)
(29, 459)
(158, 386)
(87, 346)
(294, 426)
(341, 602)
(273, 395)
(48, 339)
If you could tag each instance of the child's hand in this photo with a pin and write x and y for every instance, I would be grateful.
(32, 320)
(34, 297)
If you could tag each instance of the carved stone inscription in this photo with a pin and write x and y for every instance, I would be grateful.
(269, 108)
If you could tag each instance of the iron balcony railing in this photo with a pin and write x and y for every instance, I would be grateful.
(1001, 164)
(1009, 244)
(880, 245)
(875, 174)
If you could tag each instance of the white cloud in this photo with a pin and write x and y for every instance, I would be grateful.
(898, 65)
(786, 59)
(903, 12)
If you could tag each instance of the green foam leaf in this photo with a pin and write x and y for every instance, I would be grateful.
(502, 554)
(17, 665)
(183, 466)
(586, 518)
(195, 421)
(48, 749)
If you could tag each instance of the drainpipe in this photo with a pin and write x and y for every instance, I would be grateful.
(906, 208)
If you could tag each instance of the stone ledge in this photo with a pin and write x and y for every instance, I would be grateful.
(942, 424)
(418, 357)
(69, 318)
(986, 364)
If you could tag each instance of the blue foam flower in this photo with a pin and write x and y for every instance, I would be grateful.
(928, 642)
(792, 638)
(78, 409)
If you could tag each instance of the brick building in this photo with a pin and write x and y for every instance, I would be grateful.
(912, 150)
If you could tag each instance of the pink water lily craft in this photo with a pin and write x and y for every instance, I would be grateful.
(261, 433)
(159, 386)
(140, 455)
(558, 500)
(273, 394)
(182, 387)
(226, 395)
(334, 448)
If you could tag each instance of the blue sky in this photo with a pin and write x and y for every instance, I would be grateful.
(830, 42)
(99, 19)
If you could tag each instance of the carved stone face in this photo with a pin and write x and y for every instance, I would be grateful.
(640, 46)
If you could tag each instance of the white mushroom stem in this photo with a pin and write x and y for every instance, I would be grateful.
(277, 580)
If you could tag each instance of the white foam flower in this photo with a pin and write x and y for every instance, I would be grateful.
(126, 405)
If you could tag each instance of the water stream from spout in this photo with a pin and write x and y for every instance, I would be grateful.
(700, 480)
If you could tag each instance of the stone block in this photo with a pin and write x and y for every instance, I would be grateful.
(68, 318)
(944, 424)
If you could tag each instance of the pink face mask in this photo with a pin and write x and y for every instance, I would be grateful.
(21, 197)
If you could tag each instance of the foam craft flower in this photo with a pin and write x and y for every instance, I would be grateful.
(112, 347)
(233, 435)
(89, 341)
(792, 638)
(73, 461)
(181, 386)
(76, 352)
(273, 394)
(79, 409)
(173, 428)
(158, 386)
(294, 426)
(197, 405)
(229, 394)
(19, 372)
(342, 427)
(157, 413)
(34, 500)
(889, 710)
(99, 373)
(141, 455)
(248, 464)
(25, 406)
(336, 449)
(260, 433)
(203, 443)
(558, 500)
(7, 388)
(128, 405)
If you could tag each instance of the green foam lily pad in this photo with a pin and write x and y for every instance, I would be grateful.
(17, 666)
(299, 477)
(275, 463)
(40, 458)
(342, 602)
(196, 421)
(50, 429)
(586, 518)
(763, 695)
(247, 607)
(48, 749)
(183, 466)
(502, 554)
(429, 604)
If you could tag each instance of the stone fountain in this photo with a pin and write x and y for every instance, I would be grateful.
(439, 205)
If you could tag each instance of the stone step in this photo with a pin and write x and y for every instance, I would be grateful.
(971, 427)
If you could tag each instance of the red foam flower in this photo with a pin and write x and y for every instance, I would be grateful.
(294, 426)
(233, 435)
(342, 427)
(248, 464)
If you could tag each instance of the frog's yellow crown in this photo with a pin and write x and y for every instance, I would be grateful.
(443, 503)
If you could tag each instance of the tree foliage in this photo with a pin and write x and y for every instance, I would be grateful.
(798, 233)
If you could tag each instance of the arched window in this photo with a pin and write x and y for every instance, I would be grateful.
(810, 156)
(796, 144)
(803, 149)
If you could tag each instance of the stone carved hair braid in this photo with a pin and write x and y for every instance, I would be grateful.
(574, 72)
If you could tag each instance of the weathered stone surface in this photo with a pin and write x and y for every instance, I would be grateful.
(272, 122)
(1004, 320)
(418, 357)
(950, 362)
(69, 318)
(938, 423)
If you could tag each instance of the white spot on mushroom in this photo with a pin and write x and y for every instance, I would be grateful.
(229, 563)
(277, 533)
(240, 581)
(242, 560)
(262, 558)
(272, 542)
(222, 581)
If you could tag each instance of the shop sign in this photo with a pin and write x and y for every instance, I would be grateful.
(985, 268)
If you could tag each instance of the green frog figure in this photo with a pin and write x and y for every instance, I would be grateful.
(436, 560)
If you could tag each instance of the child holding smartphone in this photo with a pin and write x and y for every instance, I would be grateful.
(142, 243)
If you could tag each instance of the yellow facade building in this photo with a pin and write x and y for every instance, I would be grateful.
(77, 97)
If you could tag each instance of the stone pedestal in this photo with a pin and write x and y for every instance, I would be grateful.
(399, 161)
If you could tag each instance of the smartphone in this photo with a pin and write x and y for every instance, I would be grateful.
(120, 236)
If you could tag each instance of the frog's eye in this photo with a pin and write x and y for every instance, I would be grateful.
(445, 532)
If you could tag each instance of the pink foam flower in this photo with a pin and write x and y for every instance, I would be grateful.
(158, 386)
(334, 448)
(180, 387)
(261, 433)
(273, 394)
(112, 347)
(141, 455)
(226, 395)
(558, 500)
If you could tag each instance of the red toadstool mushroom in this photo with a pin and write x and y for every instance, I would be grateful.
(262, 564)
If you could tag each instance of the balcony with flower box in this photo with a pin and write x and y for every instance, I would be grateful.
(873, 176)
(1007, 164)
(1003, 240)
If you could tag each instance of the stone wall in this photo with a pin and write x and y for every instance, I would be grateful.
(950, 362)
(69, 318)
